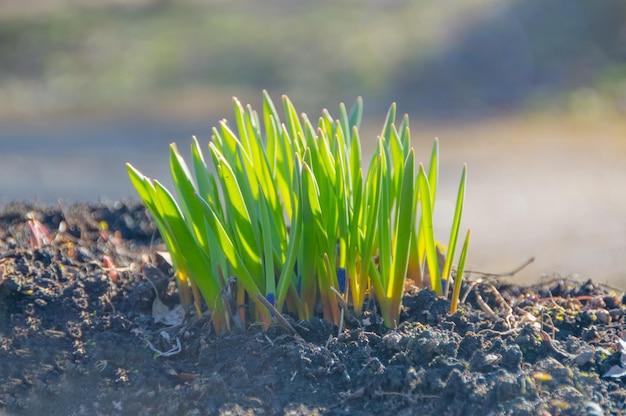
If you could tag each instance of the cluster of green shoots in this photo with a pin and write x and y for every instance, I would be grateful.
(285, 219)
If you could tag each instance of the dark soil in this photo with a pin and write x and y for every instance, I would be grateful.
(75, 339)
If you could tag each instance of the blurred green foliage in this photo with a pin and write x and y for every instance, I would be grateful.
(427, 55)
(113, 54)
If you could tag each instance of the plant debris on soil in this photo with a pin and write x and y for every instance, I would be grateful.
(90, 324)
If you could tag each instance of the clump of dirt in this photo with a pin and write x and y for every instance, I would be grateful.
(78, 336)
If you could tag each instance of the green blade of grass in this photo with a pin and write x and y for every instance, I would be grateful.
(269, 109)
(396, 156)
(384, 218)
(353, 241)
(186, 189)
(456, 223)
(370, 205)
(343, 124)
(433, 173)
(414, 271)
(405, 136)
(326, 124)
(356, 113)
(355, 161)
(242, 126)
(193, 261)
(343, 206)
(284, 168)
(402, 244)
(389, 120)
(294, 127)
(262, 170)
(427, 231)
(313, 231)
(234, 259)
(459, 275)
(240, 160)
(268, 257)
(146, 190)
(201, 170)
(142, 185)
(240, 220)
(287, 275)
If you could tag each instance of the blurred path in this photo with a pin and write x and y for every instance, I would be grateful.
(552, 188)
(79, 161)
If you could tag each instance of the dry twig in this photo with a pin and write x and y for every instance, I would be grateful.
(279, 317)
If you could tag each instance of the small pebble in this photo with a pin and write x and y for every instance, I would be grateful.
(584, 357)
(593, 409)
(393, 341)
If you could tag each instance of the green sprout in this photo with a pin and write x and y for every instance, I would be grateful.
(284, 208)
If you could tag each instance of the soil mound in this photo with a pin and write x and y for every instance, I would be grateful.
(78, 336)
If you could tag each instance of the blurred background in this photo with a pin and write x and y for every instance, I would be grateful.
(531, 94)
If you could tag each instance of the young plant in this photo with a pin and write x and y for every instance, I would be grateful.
(284, 210)
(403, 240)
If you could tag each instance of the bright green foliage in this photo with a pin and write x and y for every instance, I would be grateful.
(284, 208)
